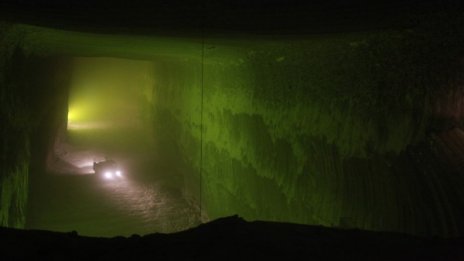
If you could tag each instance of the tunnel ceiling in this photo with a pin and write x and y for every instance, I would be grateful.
(190, 17)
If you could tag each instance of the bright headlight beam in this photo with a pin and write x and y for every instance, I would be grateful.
(118, 173)
(108, 175)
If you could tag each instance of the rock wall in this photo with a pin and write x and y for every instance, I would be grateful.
(325, 129)
(31, 91)
(14, 117)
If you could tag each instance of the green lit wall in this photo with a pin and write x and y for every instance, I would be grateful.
(321, 130)
(14, 131)
(176, 110)
(29, 91)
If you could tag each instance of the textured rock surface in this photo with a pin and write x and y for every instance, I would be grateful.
(330, 130)
(30, 89)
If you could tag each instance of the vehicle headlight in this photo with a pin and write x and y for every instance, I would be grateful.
(108, 175)
(118, 173)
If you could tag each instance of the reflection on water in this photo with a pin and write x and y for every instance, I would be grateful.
(92, 205)
(157, 209)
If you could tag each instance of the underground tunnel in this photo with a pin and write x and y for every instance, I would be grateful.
(352, 130)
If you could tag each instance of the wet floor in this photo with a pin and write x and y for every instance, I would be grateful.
(92, 205)
(149, 197)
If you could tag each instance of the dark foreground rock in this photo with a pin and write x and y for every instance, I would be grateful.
(231, 238)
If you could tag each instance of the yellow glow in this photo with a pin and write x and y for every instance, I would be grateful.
(109, 93)
(80, 117)
(74, 114)
(70, 115)
(73, 118)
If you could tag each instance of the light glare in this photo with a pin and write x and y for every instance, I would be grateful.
(108, 175)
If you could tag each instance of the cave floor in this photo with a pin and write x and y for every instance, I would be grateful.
(94, 206)
(66, 195)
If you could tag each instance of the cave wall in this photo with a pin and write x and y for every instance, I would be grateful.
(326, 129)
(31, 97)
(176, 118)
(15, 131)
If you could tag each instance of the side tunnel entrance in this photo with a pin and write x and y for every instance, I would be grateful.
(110, 120)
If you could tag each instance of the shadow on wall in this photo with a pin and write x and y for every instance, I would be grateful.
(327, 130)
(15, 115)
(28, 99)
(178, 157)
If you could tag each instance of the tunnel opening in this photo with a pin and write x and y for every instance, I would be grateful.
(109, 103)
(109, 120)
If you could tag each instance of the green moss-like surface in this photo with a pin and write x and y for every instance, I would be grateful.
(14, 131)
(317, 130)
(14, 197)
(27, 96)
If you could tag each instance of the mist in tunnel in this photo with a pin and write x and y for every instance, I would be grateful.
(109, 109)
(109, 119)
